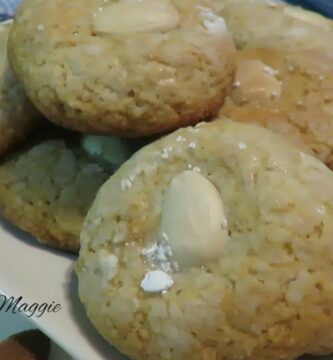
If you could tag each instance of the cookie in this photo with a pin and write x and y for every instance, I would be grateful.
(129, 68)
(17, 115)
(213, 243)
(289, 92)
(282, 26)
(48, 188)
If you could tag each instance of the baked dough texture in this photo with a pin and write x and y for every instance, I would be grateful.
(303, 112)
(17, 115)
(130, 83)
(269, 296)
(47, 188)
(281, 26)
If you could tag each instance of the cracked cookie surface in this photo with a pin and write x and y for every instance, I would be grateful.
(112, 80)
(47, 188)
(269, 295)
(281, 25)
(288, 92)
(17, 115)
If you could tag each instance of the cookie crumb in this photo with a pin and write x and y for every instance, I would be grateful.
(125, 184)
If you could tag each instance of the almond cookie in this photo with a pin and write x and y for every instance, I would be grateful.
(283, 26)
(127, 68)
(213, 243)
(17, 115)
(48, 188)
(289, 92)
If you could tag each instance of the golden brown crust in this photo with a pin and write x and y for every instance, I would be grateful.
(112, 84)
(267, 296)
(281, 25)
(48, 189)
(17, 115)
(192, 117)
(37, 222)
(304, 111)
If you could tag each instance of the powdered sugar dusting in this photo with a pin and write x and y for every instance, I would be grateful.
(159, 255)
(212, 22)
(125, 184)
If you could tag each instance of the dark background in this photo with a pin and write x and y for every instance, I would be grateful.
(324, 7)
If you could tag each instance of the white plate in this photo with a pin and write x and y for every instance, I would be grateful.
(41, 275)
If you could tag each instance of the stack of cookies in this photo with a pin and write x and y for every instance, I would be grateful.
(185, 149)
